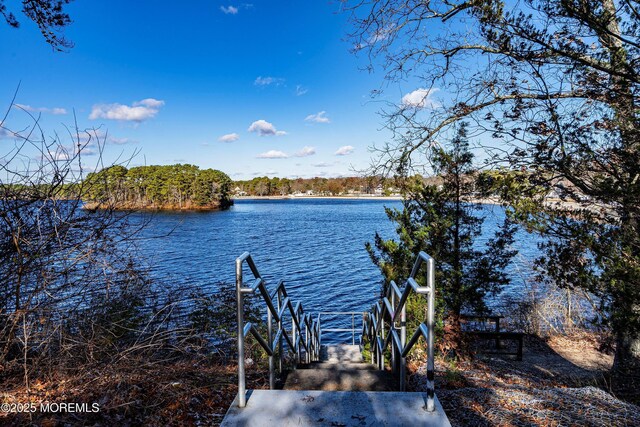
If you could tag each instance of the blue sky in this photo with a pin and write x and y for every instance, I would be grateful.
(268, 88)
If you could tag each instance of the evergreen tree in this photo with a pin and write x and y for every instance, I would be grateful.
(556, 85)
(441, 219)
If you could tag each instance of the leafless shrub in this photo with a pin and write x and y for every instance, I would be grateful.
(73, 289)
(546, 310)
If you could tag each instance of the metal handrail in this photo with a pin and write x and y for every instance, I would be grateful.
(353, 328)
(391, 308)
(275, 312)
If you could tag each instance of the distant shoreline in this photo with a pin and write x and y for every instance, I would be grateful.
(318, 197)
(482, 201)
(485, 201)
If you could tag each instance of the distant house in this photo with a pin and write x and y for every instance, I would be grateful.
(239, 192)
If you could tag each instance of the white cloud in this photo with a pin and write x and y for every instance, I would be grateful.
(91, 137)
(420, 98)
(59, 155)
(318, 118)
(300, 90)
(87, 151)
(322, 165)
(55, 110)
(344, 150)
(137, 112)
(229, 10)
(264, 128)
(150, 102)
(121, 141)
(5, 134)
(380, 34)
(230, 137)
(306, 151)
(266, 81)
(273, 154)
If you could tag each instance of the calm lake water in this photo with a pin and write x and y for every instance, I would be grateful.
(315, 245)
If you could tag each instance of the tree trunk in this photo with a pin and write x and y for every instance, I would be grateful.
(453, 335)
(627, 356)
(627, 305)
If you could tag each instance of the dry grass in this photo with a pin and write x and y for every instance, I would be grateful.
(181, 393)
(561, 381)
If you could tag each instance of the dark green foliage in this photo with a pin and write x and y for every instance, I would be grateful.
(48, 15)
(442, 221)
(172, 186)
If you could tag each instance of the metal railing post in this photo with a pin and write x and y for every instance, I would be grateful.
(371, 344)
(272, 368)
(306, 340)
(353, 329)
(319, 336)
(242, 398)
(430, 321)
(392, 326)
(300, 338)
(381, 356)
(280, 352)
(403, 343)
(294, 336)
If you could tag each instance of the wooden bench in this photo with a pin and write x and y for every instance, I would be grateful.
(496, 334)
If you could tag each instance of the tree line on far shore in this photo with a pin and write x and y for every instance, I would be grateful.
(265, 186)
(184, 186)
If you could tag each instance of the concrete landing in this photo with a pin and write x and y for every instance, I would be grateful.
(341, 408)
(341, 390)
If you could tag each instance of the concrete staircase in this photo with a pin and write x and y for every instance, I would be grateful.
(341, 390)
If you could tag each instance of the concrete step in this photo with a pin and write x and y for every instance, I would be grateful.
(341, 353)
(340, 408)
(335, 377)
(333, 365)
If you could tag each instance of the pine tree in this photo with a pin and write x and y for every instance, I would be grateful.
(442, 218)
